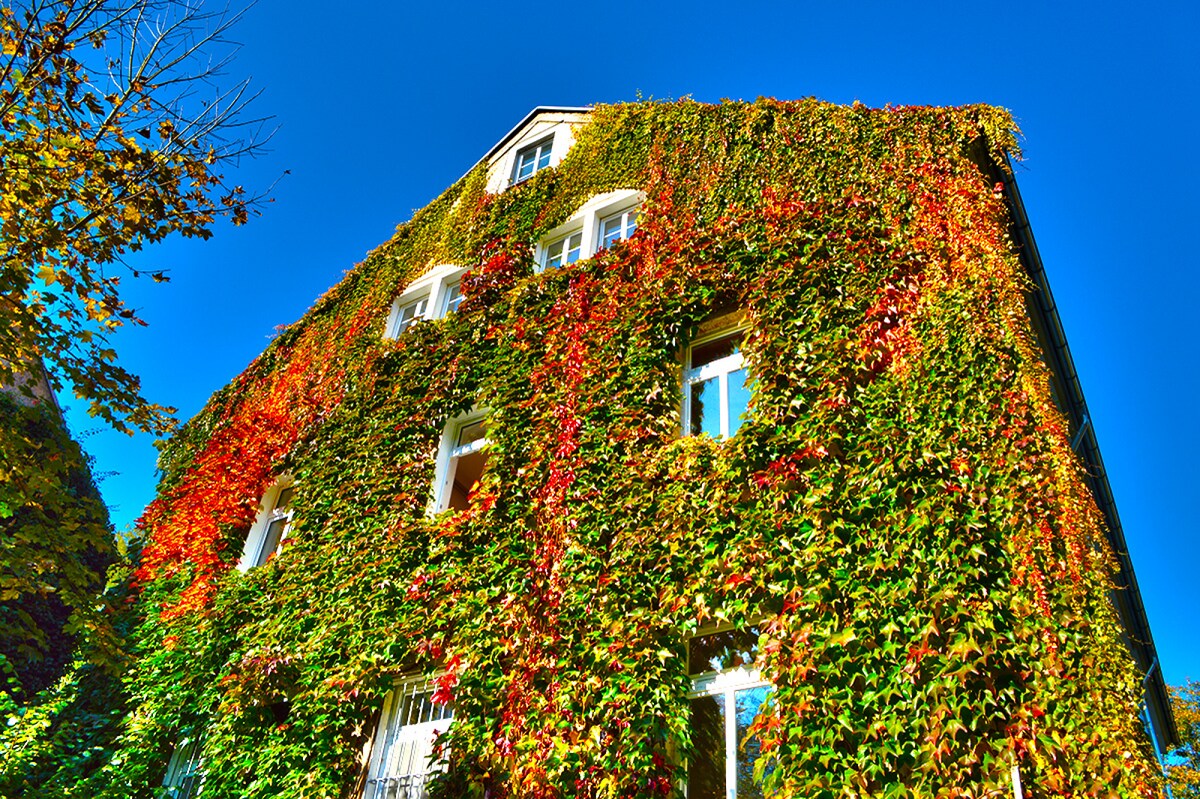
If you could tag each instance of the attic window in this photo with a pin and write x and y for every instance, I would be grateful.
(531, 159)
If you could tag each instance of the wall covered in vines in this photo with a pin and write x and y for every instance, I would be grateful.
(900, 514)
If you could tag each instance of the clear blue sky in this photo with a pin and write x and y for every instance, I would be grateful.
(383, 105)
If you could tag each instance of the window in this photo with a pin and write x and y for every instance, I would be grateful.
(270, 530)
(617, 227)
(531, 159)
(564, 251)
(185, 773)
(403, 755)
(727, 696)
(453, 298)
(598, 224)
(436, 293)
(462, 458)
(409, 313)
(716, 393)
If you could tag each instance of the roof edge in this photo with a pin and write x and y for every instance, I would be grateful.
(1057, 356)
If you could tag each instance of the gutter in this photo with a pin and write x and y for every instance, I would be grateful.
(1127, 598)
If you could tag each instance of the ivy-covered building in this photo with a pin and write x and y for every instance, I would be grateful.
(677, 449)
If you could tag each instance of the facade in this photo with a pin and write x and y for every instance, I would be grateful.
(719, 451)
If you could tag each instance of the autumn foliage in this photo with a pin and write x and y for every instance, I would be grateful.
(901, 513)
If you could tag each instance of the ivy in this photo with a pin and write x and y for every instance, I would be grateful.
(901, 514)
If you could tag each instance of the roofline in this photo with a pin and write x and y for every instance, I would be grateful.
(1058, 359)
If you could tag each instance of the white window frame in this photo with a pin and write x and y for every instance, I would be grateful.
(448, 454)
(253, 553)
(395, 741)
(562, 247)
(720, 369)
(187, 762)
(626, 227)
(588, 221)
(725, 683)
(542, 149)
(431, 291)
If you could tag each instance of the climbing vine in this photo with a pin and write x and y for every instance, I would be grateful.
(900, 514)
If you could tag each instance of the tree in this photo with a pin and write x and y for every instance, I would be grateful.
(115, 134)
(1183, 768)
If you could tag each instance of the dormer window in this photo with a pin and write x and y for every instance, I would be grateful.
(270, 530)
(532, 159)
(617, 227)
(564, 251)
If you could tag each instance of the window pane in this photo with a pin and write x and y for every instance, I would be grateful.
(285, 499)
(706, 408)
(706, 771)
(739, 399)
(554, 253)
(271, 541)
(728, 649)
(453, 297)
(714, 350)
(544, 159)
(470, 433)
(524, 165)
(573, 247)
(748, 702)
(611, 232)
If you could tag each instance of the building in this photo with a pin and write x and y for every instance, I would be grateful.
(676, 447)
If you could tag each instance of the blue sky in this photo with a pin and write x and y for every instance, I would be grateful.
(382, 106)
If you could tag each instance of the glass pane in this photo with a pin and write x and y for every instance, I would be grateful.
(544, 160)
(728, 649)
(714, 350)
(611, 232)
(706, 771)
(706, 409)
(748, 702)
(454, 297)
(524, 165)
(573, 247)
(739, 399)
(271, 540)
(470, 433)
(285, 499)
(554, 253)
